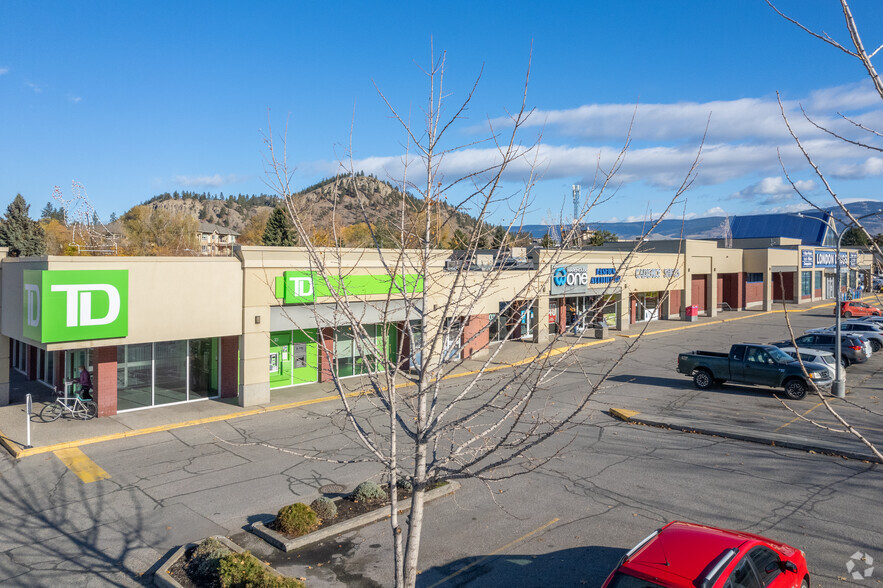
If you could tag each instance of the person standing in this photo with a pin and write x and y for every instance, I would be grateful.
(85, 383)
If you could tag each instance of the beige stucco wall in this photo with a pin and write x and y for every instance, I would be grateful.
(170, 298)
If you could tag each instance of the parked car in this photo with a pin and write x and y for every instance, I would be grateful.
(748, 363)
(872, 319)
(852, 308)
(687, 555)
(866, 330)
(852, 349)
(815, 356)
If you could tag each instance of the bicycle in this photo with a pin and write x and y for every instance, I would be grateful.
(76, 406)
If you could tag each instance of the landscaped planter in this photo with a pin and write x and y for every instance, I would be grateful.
(164, 579)
(285, 543)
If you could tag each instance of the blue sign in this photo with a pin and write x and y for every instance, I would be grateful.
(853, 258)
(559, 278)
(806, 258)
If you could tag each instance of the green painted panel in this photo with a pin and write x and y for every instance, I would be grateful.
(294, 358)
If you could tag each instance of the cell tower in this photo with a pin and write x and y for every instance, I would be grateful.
(575, 203)
(88, 234)
(727, 232)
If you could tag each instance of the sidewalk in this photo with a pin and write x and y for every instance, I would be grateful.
(67, 433)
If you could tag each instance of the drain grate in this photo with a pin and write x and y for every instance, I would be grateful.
(332, 489)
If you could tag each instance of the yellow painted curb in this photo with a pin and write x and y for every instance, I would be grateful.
(623, 414)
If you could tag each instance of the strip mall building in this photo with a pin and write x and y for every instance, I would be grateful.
(159, 331)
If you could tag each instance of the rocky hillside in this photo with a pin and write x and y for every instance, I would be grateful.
(345, 201)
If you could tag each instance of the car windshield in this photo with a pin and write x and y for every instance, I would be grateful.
(623, 580)
(780, 356)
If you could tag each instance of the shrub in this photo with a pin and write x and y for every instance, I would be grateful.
(243, 570)
(368, 492)
(404, 484)
(203, 563)
(296, 519)
(324, 507)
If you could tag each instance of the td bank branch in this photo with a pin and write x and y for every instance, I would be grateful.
(157, 331)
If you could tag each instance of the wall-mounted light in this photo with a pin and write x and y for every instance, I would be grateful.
(257, 319)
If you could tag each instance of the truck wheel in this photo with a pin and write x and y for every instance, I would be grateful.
(703, 380)
(795, 389)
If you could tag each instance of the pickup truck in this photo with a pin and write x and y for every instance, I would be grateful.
(762, 365)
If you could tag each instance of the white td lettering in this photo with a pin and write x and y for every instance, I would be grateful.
(302, 286)
(79, 304)
(33, 317)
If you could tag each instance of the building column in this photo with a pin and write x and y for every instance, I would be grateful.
(31, 366)
(711, 294)
(767, 290)
(797, 286)
(623, 311)
(229, 380)
(541, 320)
(104, 360)
(476, 336)
(326, 354)
(4, 370)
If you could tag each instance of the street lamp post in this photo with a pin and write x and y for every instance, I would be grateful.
(838, 387)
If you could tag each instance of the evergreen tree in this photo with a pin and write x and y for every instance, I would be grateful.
(113, 217)
(47, 211)
(22, 235)
(278, 232)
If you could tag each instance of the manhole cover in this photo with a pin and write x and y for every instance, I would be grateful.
(331, 489)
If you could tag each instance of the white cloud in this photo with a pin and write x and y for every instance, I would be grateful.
(4, 70)
(215, 181)
(74, 99)
(872, 166)
(774, 189)
(35, 87)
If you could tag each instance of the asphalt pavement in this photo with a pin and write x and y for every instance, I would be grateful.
(171, 476)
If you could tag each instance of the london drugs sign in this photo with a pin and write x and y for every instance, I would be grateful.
(75, 305)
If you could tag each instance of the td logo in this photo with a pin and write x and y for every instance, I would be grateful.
(75, 305)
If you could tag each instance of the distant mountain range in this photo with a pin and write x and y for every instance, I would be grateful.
(710, 227)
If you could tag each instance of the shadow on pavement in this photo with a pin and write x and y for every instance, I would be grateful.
(682, 382)
(578, 566)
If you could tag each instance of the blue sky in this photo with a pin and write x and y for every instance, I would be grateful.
(132, 99)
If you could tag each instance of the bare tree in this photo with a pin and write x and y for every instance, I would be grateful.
(855, 49)
(418, 422)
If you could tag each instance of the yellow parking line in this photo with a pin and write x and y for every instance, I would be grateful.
(80, 464)
(493, 553)
(798, 418)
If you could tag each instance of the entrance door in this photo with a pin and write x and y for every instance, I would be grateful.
(527, 315)
(829, 286)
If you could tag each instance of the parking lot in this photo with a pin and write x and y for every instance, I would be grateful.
(647, 382)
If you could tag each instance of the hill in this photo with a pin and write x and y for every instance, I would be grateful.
(333, 199)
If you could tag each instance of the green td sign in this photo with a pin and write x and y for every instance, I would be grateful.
(75, 305)
(303, 287)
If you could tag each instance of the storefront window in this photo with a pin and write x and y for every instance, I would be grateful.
(806, 284)
(170, 372)
(343, 352)
(152, 374)
(818, 280)
(134, 376)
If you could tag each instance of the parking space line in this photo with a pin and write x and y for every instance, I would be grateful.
(497, 552)
(80, 464)
(797, 418)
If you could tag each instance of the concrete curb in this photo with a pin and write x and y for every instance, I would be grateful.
(163, 579)
(772, 439)
(286, 544)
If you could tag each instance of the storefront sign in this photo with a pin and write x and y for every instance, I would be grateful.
(853, 258)
(806, 258)
(75, 305)
(570, 279)
(604, 275)
(657, 273)
(303, 287)
(829, 258)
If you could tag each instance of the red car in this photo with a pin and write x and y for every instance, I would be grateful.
(686, 555)
(852, 308)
